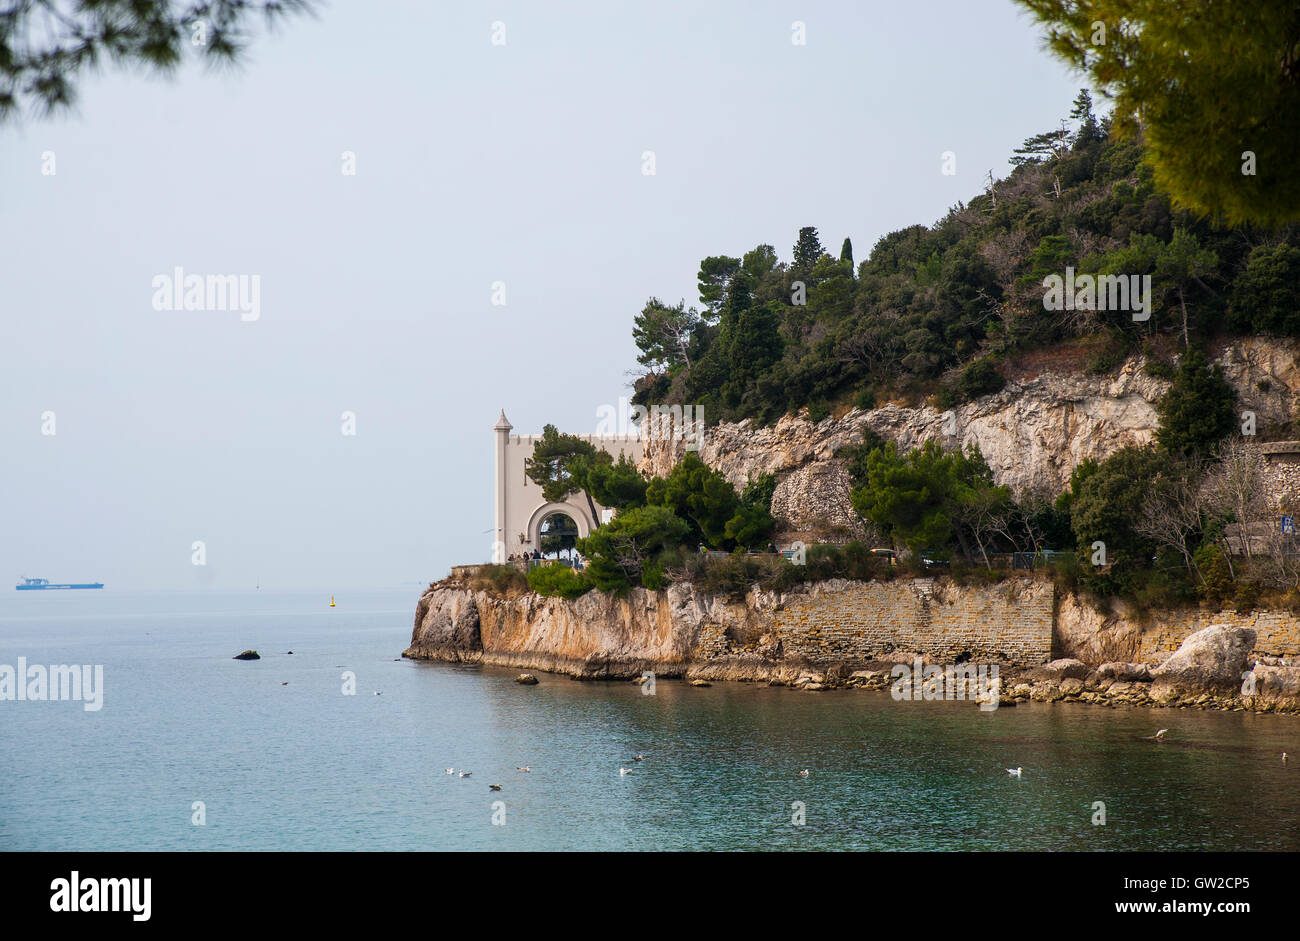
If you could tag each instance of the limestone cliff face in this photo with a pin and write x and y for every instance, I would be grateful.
(847, 633)
(767, 634)
(1032, 433)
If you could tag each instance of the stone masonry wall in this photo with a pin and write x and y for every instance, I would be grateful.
(1277, 633)
(1008, 623)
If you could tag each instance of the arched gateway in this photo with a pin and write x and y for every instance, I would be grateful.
(520, 507)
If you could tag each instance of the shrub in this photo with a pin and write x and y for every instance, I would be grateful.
(1217, 585)
(499, 578)
(1199, 408)
(980, 377)
(558, 580)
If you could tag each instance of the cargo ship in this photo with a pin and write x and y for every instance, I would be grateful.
(43, 584)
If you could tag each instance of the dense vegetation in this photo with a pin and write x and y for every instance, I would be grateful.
(945, 310)
(1215, 85)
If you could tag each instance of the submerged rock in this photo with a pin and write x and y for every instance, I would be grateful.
(248, 655)
(527, 679)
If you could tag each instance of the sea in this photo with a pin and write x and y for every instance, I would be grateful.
(342, 745)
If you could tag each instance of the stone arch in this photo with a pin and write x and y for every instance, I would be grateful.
(575, 513)
(520, 507)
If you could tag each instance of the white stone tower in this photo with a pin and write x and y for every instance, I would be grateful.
(502, 429)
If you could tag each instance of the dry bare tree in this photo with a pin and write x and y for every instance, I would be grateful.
(1173, 515)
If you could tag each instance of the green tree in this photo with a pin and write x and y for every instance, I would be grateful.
(1107, 508)
(1266, 295)
(1088, 131)
(701, 496)
(1211, 86)
(663, 334)
(559, 465)
(1199, 409)
(846, 253)
(620, 552)
(806, 251)
(714, 280)
(930, 498)
(753, 523)
(1181, 263)
(618, 485)
(1041, 147)
(45, 45)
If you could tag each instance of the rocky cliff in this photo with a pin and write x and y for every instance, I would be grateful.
(1032, 433)
(842, 633)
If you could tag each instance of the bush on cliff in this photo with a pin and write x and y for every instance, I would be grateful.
(499, 579)
(621, 550)
(557, 580)
(1199, 409)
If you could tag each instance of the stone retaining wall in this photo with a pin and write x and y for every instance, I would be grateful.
(1008, 623)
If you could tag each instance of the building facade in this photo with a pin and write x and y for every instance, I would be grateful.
(520, 508)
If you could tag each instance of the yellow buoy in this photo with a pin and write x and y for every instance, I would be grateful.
(332, 601)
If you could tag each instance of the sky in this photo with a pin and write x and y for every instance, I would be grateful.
(484, 172)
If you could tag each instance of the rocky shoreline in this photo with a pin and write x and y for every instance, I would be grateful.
(677, 635)
(1069, 680)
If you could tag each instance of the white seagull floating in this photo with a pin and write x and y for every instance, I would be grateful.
(1014, 772)
(1161, 734)
(623, 771)
(466, 774)
(524, 768)
(803, 773)
(451, 770)
(638, 757)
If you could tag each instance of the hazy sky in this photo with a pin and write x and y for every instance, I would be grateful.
(475, 163)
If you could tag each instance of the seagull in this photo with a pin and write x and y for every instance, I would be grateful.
(1283, 757)
(524, 769)
(623, 771)
(494, 787)
(466, 774)
(285, 683)
(638, 758)
(1014, 772)
(803, 773)
(1161, 734)
(378, 693)
(451, 770)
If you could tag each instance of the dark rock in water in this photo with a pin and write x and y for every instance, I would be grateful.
(249, 655)
(527, 679)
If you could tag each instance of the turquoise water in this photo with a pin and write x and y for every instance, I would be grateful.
(304, 766)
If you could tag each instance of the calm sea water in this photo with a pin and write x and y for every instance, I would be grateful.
(304, 766)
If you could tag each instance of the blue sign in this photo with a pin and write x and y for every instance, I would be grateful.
(1288, 525)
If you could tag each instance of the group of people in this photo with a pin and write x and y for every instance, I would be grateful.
(529, 555)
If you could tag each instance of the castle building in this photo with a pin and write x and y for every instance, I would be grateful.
(521, 510)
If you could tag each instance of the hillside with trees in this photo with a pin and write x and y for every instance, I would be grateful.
(944, 311)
